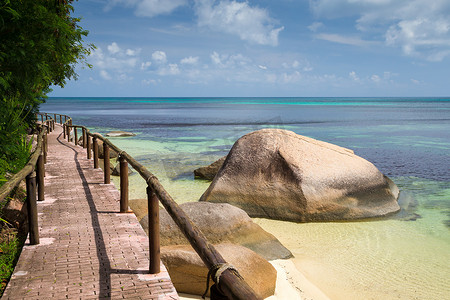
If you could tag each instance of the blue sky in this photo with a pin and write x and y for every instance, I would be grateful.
(193, 48)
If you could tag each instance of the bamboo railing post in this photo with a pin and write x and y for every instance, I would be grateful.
(54, 117)
(95, 148)
(123, 184)
(88, 146)
(60, 119)
(153, 231)
(84, 137)
(106, 170)
(42, 118)
(65, 119)
(64, 131)
(40, 172)
(32, 208)
(75, 133)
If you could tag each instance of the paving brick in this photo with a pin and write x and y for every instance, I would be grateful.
(87, 250)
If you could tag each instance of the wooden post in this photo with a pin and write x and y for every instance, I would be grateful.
(60, 119)
(95, 147)
(32, 208)
(45, 147)
(65, 119)
(42, 118)
(123, 184)
(106, 170)
(54, 118)
(75, 132)
(153, 231)
(64, 130)
(88, 146)
(84, 137)
(40, 172)
(68, 133)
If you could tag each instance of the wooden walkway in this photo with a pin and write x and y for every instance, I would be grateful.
(87, 250)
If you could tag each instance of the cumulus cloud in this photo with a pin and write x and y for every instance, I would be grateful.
(353, 76)
(420, 28)
(114, 62)
(375, 78)
(113, 48)
(159, 57)
(250, 23)
(105, 75)
(149, 8)
(170, 69)
(190, 60)
(145, 65)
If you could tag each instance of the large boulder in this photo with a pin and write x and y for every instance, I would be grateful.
(210, 171)
(277, 174)
(188, 272)
(220, 223)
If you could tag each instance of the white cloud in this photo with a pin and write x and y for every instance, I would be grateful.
(145, 65)
(347, 40)
(215, 58)
(171, 69)
(190, 60)
(375, 78)
(105, 75)
(149, 8)
(159, 57)
(262, 67)
(113, 48)
(252, 24)
(131, 52)
(415, 81)
(114, 63)
(420, 28)
(150, 81)
(353, 76)
(314, 27)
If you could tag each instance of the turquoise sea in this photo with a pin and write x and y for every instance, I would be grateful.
(403, 257)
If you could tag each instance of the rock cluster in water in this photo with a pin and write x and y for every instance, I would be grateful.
(278, 174)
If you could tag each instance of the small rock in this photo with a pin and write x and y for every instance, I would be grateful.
(119, 133)
(116, 170)
(210, 171)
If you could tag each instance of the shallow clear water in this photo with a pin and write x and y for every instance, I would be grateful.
(404, 257)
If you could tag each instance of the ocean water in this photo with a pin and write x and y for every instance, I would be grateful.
(405, 256)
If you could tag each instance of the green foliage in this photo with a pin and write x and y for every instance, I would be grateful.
(40, 45)
(10, 248)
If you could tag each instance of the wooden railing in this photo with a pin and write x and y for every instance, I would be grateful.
(33, 173)
(231, 284)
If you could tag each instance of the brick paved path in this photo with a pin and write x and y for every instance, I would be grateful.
(87, 250)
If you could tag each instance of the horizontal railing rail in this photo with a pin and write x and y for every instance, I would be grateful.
(231, 284)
